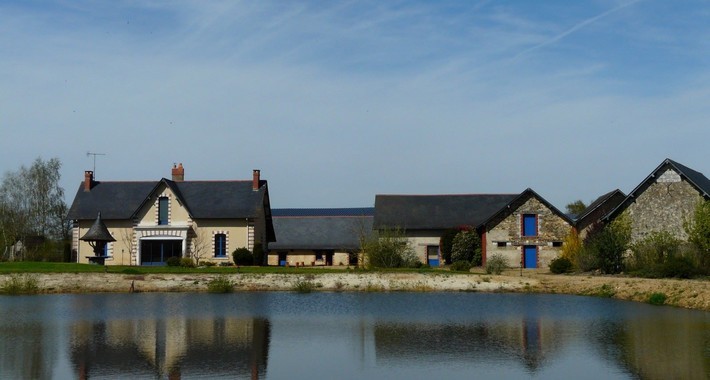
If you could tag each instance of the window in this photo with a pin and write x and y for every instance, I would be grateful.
(220, 245)
(104, 252)
(502, 244)
(163, 211)
(529, 225)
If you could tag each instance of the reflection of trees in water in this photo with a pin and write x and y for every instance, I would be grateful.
(27, 351)
(172, 347)
(676, 347)
(529, 341)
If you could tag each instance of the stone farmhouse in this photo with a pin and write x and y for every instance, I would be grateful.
(320, 237)
(522, 228)
(597, 210)
(152, 221)
(663, 201)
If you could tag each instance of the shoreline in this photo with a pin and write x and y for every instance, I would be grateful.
(690, 294)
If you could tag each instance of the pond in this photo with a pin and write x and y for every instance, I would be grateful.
(348, 336)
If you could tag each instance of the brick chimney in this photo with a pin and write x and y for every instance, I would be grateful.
(88, 180)
(178, 173)
(256, 176)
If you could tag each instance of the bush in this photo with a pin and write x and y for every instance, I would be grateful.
(657, 298)
(208, 263)
(304, 286)
(187, 262)
(173, 261)
(654, 250)
(447, 239)
(466, 246)
(608, 246)
(678, 267)
(243, 256)
(560, 265)
(220, 284)
(495, 264)
(389, 248)
(461, 266)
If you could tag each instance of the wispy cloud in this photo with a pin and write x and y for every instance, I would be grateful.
(574, 29)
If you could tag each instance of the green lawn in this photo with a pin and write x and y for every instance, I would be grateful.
(52, 267)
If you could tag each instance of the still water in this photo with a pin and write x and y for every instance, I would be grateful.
(348, 336)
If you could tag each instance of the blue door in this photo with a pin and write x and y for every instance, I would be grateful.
(432, 253)
(530, 255)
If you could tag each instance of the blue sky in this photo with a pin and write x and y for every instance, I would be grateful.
(338, 101)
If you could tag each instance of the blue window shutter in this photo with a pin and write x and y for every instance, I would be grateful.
(529, 225)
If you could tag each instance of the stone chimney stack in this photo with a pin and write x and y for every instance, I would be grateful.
(88, 180)
(178, 173)
(256, 176)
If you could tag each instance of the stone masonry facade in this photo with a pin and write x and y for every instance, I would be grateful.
(665, 205)
(552, 231)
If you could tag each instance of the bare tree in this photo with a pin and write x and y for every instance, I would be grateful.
(200, 246)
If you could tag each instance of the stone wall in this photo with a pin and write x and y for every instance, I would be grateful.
(663, 206)
(552, 230)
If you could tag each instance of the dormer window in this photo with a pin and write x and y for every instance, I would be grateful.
(163, 204)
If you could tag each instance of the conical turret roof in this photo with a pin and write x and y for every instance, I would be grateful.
(98, 232)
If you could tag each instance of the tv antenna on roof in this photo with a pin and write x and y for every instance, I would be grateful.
(94, 154)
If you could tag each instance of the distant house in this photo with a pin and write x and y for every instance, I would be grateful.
(664, 200)
(155, 220)
(527, 232)
(425, 218)
(597, 210)
(323, 237)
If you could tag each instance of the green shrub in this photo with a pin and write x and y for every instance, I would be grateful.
(608, 245)
(187, 262)
(20, 284)
(560, 265)
(220, 284)
(678, 267)
(389, 248)
(495, 264)
(466, 246)
(657, 298)
(654, 250)
(447, 238)
(208, 263)
(173, 261)
(304, 286)
(243, 256)
(605, 291)
(461, 266)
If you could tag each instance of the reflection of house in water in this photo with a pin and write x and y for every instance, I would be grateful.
(531, 342)
(172, 347)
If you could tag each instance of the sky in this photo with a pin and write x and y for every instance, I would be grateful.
(337, 101)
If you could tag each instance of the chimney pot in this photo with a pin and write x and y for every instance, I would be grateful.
(88, 180)
(256, 176)
(178, 173)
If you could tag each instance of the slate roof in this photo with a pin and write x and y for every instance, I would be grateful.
(359, 211)
(202, 199)
(316, 229)
(600, 207)
(435, 212)
(696, 179)
(518, 201)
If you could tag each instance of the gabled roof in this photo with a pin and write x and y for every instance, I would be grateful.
(518, 201)
(322, 229)
(600, 207)
(435, 212)
(202, 199)
(694, 178)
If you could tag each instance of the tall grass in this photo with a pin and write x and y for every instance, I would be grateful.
(220, 284)
(20, 284)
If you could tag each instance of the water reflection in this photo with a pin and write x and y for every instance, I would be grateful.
(171, 347)
(394, 336)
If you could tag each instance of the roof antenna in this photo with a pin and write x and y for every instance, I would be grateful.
(94, 154)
